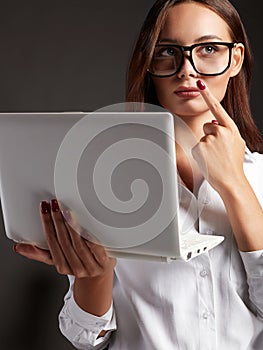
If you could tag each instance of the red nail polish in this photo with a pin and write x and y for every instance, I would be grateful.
(200, 85)
(45, 207)
(15, 248)
(54, 205)
(214, 121)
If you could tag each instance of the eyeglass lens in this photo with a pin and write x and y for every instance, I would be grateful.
(207, 59)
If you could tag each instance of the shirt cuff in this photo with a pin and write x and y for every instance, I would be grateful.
(253, 262)
(89, 321)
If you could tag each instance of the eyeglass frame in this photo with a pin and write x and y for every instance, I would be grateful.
(190, 48)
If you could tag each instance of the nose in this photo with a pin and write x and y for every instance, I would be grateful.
(187, 68)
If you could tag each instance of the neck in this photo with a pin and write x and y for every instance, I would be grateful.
(188, 132)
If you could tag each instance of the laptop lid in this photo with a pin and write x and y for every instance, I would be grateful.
(116, 172)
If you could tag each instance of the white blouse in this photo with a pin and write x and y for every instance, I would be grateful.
(213, 302)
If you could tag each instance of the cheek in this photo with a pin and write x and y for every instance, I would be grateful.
(162, 88)
(218, 86)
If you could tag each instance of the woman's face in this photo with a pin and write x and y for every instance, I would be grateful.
(187, 24)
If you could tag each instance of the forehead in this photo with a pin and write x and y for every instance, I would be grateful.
(186, 23)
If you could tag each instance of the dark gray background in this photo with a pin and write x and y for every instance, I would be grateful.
(64, 55)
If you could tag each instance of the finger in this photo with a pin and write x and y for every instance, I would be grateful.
(83, 242)
(82, 237)
(84, 251)
(52, 240)
(210, 128)
(82, 260)
(34, 253)
(77, 253)
(214, 105)
(64, 239)
(99, 253)
(71, 218)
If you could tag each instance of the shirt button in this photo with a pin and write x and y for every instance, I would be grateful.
(206, 314)
(203, 273)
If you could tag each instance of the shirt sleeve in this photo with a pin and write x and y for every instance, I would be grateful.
(81, 328)
(253, 263)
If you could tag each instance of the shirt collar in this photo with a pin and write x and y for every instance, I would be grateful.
(249, 156)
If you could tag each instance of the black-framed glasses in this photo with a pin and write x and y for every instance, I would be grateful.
(209, 58)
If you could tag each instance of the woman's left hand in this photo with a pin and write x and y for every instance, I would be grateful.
(220, 152)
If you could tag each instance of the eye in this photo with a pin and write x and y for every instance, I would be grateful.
(165, 51)
(169, 51)
(207, 49)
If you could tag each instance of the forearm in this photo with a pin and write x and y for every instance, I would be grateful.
(94, 295)
(245, 214)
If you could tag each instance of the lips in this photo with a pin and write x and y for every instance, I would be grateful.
(187, 92)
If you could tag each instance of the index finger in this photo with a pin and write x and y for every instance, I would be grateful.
(214, 105)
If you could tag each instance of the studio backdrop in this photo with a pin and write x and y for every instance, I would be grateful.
(69, 55)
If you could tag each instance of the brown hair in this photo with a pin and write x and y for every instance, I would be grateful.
(140, 87)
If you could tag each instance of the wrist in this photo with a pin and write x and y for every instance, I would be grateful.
(94, 294)
(97, 280)
(232, 186)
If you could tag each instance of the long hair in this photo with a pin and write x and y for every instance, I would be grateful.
(236, 101)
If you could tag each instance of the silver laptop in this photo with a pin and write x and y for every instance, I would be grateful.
(115, 171)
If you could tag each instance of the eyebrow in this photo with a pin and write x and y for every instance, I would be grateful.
(198, 40)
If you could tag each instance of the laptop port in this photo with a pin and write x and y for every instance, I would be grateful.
(189, 255)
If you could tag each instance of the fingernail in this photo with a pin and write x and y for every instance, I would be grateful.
(15, 248)
(45, 207)
(214, 121)
(200, 85)
(54, 205)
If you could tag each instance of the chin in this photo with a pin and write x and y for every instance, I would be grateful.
(185, 112)
(186, 109)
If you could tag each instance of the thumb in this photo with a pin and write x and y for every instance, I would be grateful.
(34, 253)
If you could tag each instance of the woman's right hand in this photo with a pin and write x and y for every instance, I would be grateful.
(70, 253)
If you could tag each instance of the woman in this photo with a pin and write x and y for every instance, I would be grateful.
(189, 57)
